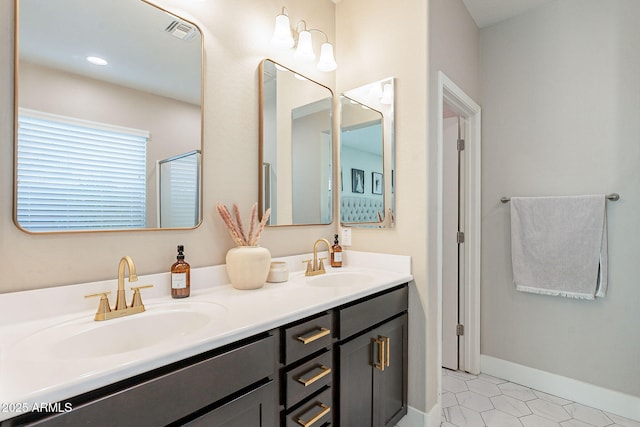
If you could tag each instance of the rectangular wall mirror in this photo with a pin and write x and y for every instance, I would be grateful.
(367, 163)
(105, 92)
(295, 147)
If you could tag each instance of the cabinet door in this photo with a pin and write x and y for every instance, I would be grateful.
(254, 409)
(356, 382)
(391, 384)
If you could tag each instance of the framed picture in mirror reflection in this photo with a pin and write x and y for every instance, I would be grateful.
(376, 183)
(357, 181)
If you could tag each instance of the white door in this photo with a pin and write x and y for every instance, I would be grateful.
(453, 223)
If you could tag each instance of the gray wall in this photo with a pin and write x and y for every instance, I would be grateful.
(561, 97)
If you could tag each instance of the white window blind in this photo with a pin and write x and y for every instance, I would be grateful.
(79, 175)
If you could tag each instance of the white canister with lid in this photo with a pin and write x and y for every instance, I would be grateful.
(278, 272)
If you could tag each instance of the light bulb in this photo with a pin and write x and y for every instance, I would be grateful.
(96, 60)
(327, 62)
(282, 32)
(304, 51)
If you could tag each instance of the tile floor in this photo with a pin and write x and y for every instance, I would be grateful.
(478, 401)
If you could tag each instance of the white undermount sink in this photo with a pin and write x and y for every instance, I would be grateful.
(339, 279)
(86, 338)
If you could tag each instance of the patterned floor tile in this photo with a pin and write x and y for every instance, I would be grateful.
(517, 391)
(548, 410)
(453, 384)
(463, 417)
(589, 415)
(474, 401)
(537, 421)
(486, 401)
(511, 406)
(495, 418)
(484, 388)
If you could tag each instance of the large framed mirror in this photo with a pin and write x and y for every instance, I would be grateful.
(107, 93)
(367, 162)
(295, 147)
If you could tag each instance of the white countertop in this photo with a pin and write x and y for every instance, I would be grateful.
(33, 377)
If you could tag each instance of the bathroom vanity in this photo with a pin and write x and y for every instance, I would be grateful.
(323, 350)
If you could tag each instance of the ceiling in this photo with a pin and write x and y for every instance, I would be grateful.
(131, 34)
(489, 12)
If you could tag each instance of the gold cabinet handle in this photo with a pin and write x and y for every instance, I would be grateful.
(380, 364)
(325, 410)
(387, 348)
(325, 371)
(306, 340)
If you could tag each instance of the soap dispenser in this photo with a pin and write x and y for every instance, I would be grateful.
(336, 253)
(180, 276)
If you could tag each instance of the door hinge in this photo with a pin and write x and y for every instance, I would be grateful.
(459, 330)
(461, 145)
(460, 237)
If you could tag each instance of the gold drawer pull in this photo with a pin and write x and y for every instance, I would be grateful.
(306, 340)
(325, 411)
(325, 371)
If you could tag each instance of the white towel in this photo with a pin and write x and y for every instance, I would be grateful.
(559, 245)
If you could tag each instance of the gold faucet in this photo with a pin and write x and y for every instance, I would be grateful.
(120, 310)
(316, 266)
(126, 261)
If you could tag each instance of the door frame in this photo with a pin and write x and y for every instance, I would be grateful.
(466, 107)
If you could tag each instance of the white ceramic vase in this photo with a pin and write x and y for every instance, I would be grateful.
(248, 266)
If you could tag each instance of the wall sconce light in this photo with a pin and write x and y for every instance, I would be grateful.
(282, 32)
(282, 38)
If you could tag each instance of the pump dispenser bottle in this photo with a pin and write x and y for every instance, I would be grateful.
(336, 253)
(180, 276)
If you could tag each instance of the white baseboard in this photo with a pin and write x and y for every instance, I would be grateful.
(622, 404)
(416, 418)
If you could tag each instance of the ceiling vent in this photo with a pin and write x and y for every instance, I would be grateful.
(181, 30)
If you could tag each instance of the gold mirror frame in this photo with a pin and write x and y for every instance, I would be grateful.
(296, 188)
(152, 206)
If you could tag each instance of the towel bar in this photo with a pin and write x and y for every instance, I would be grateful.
(613, 197)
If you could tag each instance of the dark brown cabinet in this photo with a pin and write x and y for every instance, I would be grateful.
(253, 409)
(201, 387)
(373, 362)
(346, 366)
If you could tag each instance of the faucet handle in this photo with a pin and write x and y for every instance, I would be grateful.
(103, 306)
(136, 301)
(309, 267)
(321, 265)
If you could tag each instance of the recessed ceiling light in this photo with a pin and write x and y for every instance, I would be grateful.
(96, 60)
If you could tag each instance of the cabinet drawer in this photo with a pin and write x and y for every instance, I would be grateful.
(303, 339)
(360, 316)
(171, 396)
(314, 413)
(308, 378)
(255, 408)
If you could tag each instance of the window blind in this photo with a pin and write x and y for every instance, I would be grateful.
(79, 175)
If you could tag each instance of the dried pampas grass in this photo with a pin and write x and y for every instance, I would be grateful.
(236, 229)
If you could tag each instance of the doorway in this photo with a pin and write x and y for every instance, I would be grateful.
(453, 230)
(458, 227)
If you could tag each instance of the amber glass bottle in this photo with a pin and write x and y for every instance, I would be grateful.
(336, 253)
(180, 277)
